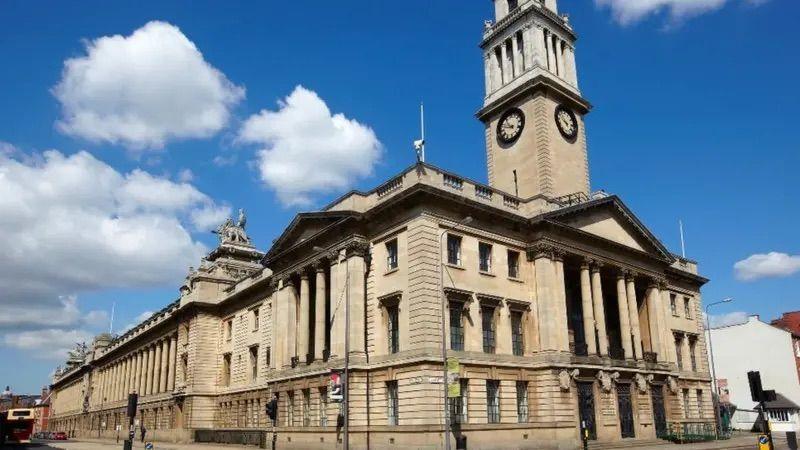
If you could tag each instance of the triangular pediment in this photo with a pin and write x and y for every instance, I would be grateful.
(610, 219)
(304, 226)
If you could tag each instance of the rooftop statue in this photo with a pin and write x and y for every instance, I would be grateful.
(233, 233)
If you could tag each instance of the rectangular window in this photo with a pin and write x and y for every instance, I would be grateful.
(513, 264)
(392, 402)
(493, 401)
(485, 257)
(517, 338)
(391, 255)
(692, 354)
(256, 318)
(228, 329)
(487, 324)
(699, 394)
(678, 351)
(454, 250)
(673, 304)
(458, 405)
(226, 369)
(393, 322)
(253, 363)
(269, 357)
(685, 403)
(185, 369)
(456, 326)
(323, 407)
(687, 307)
(522, 401)
(306, 407)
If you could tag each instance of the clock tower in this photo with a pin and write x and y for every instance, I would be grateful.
(533, 110)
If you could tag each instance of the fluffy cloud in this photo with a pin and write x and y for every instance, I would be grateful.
(49, 343)
(73, 224)
(724, 320)
(307, 150)
(137, 320)
(144, 89)
(629, 11)
(767, 265)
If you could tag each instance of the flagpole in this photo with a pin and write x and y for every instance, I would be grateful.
(422, 127)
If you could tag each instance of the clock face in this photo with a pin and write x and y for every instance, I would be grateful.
(567, 122)
(510, 126)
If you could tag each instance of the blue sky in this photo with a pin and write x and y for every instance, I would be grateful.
(693, 119)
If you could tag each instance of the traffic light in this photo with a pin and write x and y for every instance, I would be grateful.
(272, 409)
(133, 400)
(756, 391)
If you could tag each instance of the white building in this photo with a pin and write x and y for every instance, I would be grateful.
(755, 345)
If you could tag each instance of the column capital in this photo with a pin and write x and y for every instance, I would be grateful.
(630, 274)
(541, 250)
(656, 283)
(357, 248)
(558, 254)
(304, 272)
(319, 265)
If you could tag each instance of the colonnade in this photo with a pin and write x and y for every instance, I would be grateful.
(339, 275)
(552, 310)
(533, 45)
(148, 371)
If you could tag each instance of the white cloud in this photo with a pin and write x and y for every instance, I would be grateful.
(7, 149)
(73, 224)
(137, 320)
(143, 90)
(769, 265)
(628, 11)
(307, 150)
(49, 343)
(186, 176)
(724, 320)
(224, 161)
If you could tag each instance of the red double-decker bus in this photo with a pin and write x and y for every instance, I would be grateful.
(17, 425)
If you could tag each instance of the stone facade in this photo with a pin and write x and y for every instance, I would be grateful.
(560, 306)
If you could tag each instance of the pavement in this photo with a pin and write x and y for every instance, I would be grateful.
(744, 442)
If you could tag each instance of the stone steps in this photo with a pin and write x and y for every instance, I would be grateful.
(627, 443)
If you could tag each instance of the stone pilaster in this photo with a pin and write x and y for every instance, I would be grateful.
(157, 369)
(304, 324)
(561, 320)
(587, 309)
(320, 321)
(357, 270)
(173, 349)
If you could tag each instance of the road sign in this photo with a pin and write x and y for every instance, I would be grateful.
(763, 442)
(148, 446)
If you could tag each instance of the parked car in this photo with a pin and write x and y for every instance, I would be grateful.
(60, 436)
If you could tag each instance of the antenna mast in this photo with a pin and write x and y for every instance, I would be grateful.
(419, 145)
(683, 244)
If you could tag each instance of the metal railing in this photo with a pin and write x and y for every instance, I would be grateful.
(691, 431)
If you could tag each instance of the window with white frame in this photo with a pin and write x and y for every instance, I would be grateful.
(392, 403)
(493, 401)
(522, 401)
(391, 254)
(454, 249)
(485, 257)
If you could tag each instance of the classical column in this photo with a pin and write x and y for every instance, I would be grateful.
(151, 353)
(633, 308)
(357, 309)
(551, 53)
(654, 319)
(560, 319)
(156, 369)
(337, 290)
(292, 300)
(559, 47)
(624, 314)
(587, 309)
(516, 61)
(599, 311)
(538, 46)
(131, 372)
(487, 72)
(162, 382)
(304, 328)
(544, 273)
(572, 70)
(504, 63)
(173, 349)
(114, 381)
(320, 322)
(140, 372)
(123, 366)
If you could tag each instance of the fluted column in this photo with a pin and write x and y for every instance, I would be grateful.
(587, 309)
(118, 380)
(114, 381)
(654, 320)
(633, 308)
(624, 316)
(122, 366)
(173, 349)
(157, 369)
(599, 311)
(304, 327)
(291, 320)
(131, 372)
(561, 320)
(320, 321)
(545, 297)
(162, 381)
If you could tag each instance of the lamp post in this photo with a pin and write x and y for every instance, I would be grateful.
(463, 221)
(714, 393)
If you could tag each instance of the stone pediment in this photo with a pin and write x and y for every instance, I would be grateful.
(304, 226)
(610, 219)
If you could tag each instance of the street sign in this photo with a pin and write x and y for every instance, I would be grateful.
(763, 442)
(336, 387)
(148, 446)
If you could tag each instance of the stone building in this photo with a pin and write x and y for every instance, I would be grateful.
(559, 304)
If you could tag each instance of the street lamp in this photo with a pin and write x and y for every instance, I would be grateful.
(463, 221)
(714, 386)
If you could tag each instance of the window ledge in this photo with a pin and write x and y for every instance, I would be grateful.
(516, 280)
(488, 274)
(454, 266)
(391, 271)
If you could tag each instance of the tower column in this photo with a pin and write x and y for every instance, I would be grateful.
(633, 307)
(303, 332)
(599, 311)
(551, 52)
(559, 48)
(320, 322)
(572, 70)
(487, 72)
(504, 63)
(587, 309)
(624, 316)
(538, 46)
(516, 60)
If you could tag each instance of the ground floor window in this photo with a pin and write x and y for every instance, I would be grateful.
(392, 402)
(458, 405)
(323, 407)
(493, 401)
(522, 401)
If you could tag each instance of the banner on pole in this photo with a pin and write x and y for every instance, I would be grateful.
(336, 387)
(453, 382)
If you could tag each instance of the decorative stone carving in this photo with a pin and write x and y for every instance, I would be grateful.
(672, 384)
(565, 378)
(233, 233)
(540, 250)
(607, 380)
(641, 382)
